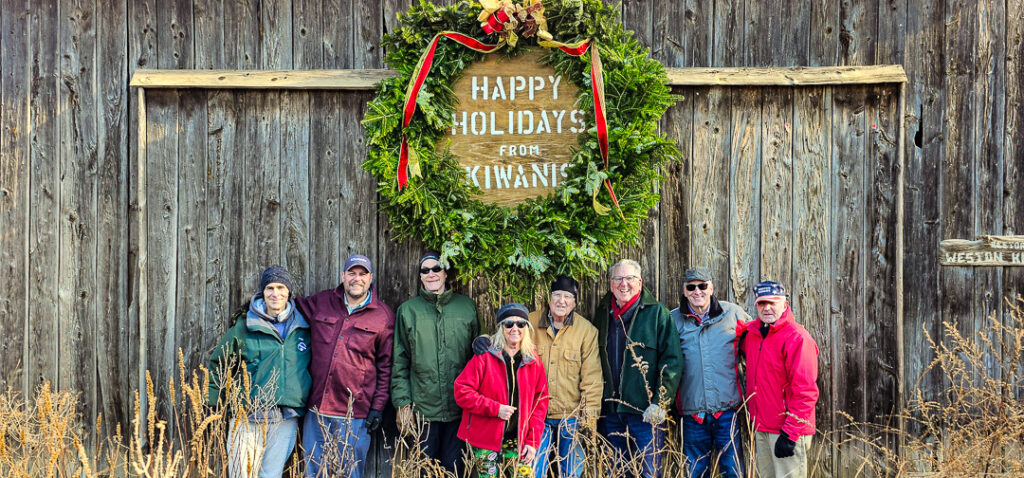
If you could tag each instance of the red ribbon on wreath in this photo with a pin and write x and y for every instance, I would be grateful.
(422, 70)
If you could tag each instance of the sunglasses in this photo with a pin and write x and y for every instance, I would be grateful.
(522, 324)
(693, 287)
(428, 270)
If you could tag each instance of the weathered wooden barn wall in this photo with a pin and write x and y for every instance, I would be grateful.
(791, 183)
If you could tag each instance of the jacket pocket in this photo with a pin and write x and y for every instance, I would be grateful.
(323, 330)
(361, 339)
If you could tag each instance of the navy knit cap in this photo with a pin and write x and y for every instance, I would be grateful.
(567, 284)
(276, 274)
(513, 310)
(430, 255)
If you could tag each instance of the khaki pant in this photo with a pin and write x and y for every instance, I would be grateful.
(770, 467)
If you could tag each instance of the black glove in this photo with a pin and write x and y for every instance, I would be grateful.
(784, 446)
(481, 344)
(373, 420)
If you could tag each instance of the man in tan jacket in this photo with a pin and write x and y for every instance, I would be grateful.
(567, 345)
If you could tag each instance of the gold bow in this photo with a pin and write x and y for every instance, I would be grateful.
(529, 14)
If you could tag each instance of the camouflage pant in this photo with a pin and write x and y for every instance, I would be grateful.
(494, 464)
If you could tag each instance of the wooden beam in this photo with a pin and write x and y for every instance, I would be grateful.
(368, 79)
(795, 76)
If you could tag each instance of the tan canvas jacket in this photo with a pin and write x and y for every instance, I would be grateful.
(572, 363)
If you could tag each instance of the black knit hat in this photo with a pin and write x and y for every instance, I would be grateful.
(430, 255)
(567, 284)
(276, 274)
(514, 309)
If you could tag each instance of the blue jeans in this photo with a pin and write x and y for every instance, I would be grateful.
(341, 442)
(715, 439)
(570, 451)
(629, 434)
(259, 448)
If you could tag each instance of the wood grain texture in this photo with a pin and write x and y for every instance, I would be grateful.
(709, 206)
(276, 34)
(174, 34)
(76, 120)
(241, 35)
(812, 236)
(958, 203)
(744, 199)
(15, 201)
(192, 331)
(162, 216)
(880, 294)
(307, 34)
(209, 43)
(924, 153)
(849, 161)
(682, 32)
(823, 33)
(677, 124)
(892, 32)
(728, 39)
(1013, 171)
(638, 17)
(777, 186)
(858, 39)
(41, 357)
(325, 259)
(113, 365)
(295, 186)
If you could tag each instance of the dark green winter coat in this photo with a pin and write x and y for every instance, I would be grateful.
(656, 344)
(433, 341)
(278, 368)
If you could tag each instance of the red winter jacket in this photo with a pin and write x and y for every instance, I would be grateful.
(782, 373)
(481, 388)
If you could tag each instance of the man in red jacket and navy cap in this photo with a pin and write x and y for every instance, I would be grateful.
(781, 388)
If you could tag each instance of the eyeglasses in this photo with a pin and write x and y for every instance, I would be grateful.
(428, 270)
(693, 287)
(630, 279)
(522, 324)
(562, 296)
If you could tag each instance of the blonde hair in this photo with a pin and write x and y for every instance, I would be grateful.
(526, 346)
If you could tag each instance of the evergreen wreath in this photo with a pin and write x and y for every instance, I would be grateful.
(567, 232)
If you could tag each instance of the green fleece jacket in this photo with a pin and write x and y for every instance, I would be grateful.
(657, 346)
(433, 341)
(278, 368)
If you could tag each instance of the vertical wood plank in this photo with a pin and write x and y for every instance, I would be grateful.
(295, 136)
(142, 53)
(191, 310)
(850, 126)
(174, 34)
(880, 327)
(162, 232)
(325, 258)
(366, 33)
(727, 40)
(1013, 170)
(113, 363)
(224, 117)
(15, 201)
(392, 9)
(812, 181)
(76, 293)
(924, 153)
(210, 43)
(745, 199)
(823, 34)
(241, 35)
(275, 35)
(338, 36)
(358, 187)
(858, 22)
(261, 157)
(678, 125)
(957, 175)
(307, 34)
(989, 128)
(682, 32)
(777, 186)
(41, 357)
(637, 16)
(709, 206)
(756, 33)
(892, 32)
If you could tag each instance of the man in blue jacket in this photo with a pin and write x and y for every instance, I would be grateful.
(708, 395)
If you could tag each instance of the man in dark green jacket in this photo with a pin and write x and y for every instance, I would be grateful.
(271, 345)
(433, 341)
(642, 363)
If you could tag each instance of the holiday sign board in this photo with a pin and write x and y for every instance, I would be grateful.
(514, 126)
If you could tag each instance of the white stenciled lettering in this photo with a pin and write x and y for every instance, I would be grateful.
(482, 88)
(1017, 257)
(471, 175)
(543, 126)
(536, 84)
(456, 123)
(529, 126)
(555, 80)
(494, 124)
(478, 126)
(539, 174)
(516, 83)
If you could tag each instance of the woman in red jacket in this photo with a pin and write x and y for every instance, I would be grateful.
(504, 399)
